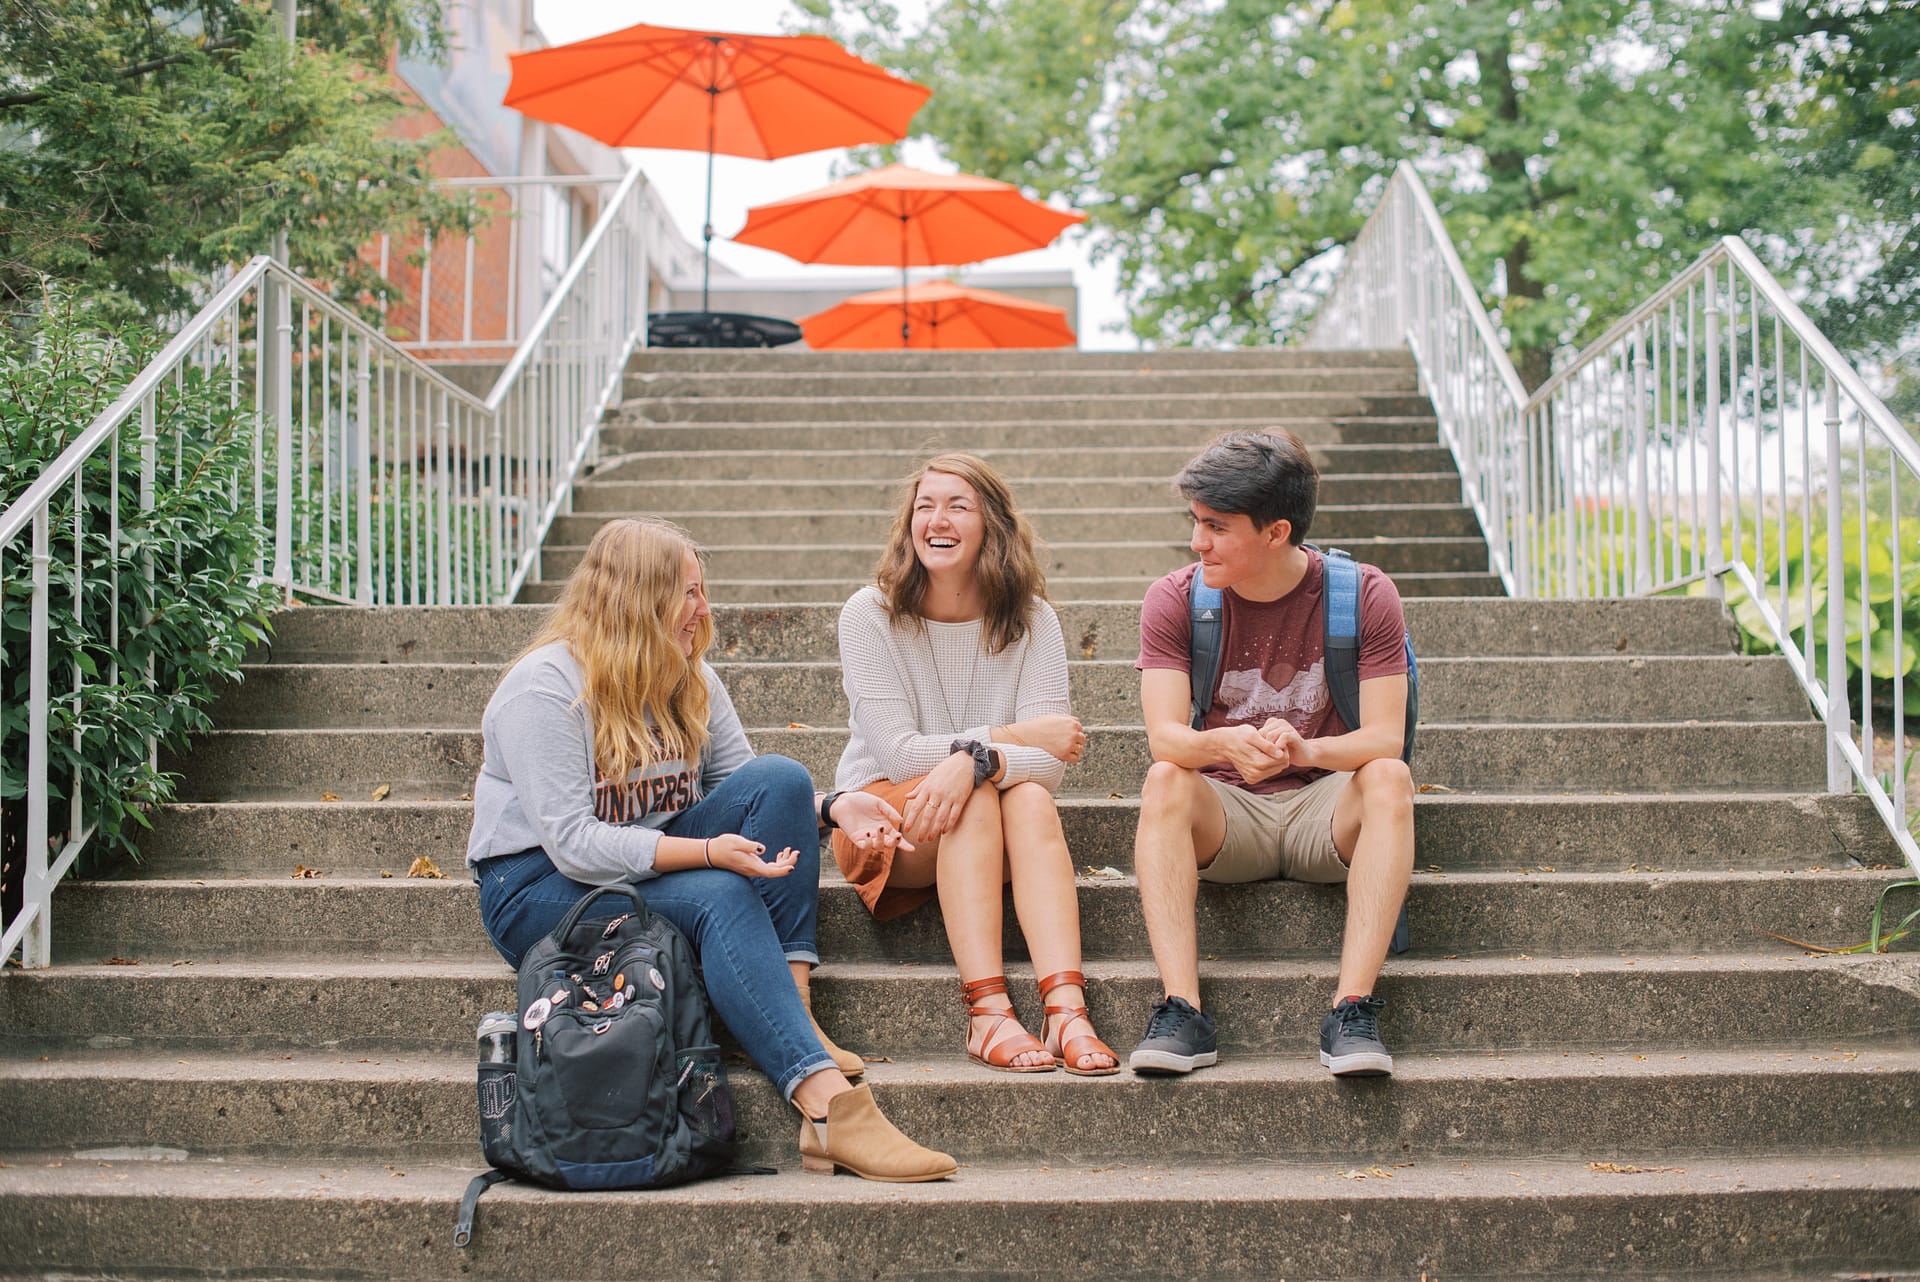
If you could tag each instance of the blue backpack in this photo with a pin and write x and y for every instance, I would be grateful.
(1207, 619)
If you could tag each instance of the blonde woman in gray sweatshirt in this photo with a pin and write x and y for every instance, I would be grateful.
(956, 675)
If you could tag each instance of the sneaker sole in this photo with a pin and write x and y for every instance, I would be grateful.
(1168, 1062)
(1359, 1064)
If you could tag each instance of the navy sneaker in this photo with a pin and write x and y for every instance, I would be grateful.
(1179, 1039)
(1350, 1039)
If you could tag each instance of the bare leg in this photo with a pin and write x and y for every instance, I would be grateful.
(970, 871)
(815, 1089)
(1043, 894)
(1373, 833)
(1181, 828)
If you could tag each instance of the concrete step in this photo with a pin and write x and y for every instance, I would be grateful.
(670, 498)
(1643, 1004)
(891, 464)
(1623, 1108)
(1801, 1216)
(1061, 588)
(1198, 411)
(631, 430)
(1079, 558)
(780, 364)
(1381, 519)
(1094, 629)
(264, 765)
(282, 696)
(1450, 914)
(1455, 832)
(1028, 382)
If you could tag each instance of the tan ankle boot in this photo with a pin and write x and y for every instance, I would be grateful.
(861, 1140)
(849, 1064)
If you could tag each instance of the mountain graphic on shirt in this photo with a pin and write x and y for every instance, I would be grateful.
(1249, 698)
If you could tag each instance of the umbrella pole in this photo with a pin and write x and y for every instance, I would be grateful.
(706, 228)
(905, 325)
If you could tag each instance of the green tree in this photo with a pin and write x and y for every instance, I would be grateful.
(1581, 151)
(145, 145)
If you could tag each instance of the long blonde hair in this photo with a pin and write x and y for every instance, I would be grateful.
(1008, 570)
(618, 617)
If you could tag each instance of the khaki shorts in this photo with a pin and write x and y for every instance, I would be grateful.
(1280, 834)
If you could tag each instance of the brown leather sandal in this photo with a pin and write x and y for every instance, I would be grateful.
(1000, 1047)
(1071, 1050)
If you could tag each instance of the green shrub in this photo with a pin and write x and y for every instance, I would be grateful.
(192, 622)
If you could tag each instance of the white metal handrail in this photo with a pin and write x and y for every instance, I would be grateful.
(374, 480)
(1711, 434)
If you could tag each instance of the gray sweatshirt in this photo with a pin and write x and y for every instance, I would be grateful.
(538, 785)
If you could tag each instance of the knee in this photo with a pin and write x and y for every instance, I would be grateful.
(783, 779)
(1027, 803)
(1167, 792)
(983, 806)
(1386, 786)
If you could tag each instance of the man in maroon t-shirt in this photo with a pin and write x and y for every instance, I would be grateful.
(1273, 784)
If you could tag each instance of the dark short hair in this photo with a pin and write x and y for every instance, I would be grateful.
(1268, 476)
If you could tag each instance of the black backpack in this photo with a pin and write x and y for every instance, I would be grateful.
(616, 1082)
(1207, 621)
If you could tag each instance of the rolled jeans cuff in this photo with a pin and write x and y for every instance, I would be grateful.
(801, 1072)
(807, 955)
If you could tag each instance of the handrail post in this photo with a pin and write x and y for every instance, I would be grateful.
(277, 370)
(1642, 488)
(1839, 709)
(36, 949)
(363, 479)
(1716, 544)
(443, 593)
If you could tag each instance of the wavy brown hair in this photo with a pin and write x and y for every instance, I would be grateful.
(617, 615)
(1008, 570)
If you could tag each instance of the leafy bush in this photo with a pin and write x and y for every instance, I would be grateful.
(188, 600)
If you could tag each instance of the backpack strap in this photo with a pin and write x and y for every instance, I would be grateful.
(1342, 598)
(1207, 623)
(470, 1202)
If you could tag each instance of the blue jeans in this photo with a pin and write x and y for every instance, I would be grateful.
(743, 930)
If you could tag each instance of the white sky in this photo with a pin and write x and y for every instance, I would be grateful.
(680, 176)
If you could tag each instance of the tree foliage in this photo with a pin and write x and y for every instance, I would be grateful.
(144, 146)
(1581, 151)
(191, 615)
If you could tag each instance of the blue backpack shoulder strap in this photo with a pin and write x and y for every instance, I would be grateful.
(1342, 593)
(1207, 622)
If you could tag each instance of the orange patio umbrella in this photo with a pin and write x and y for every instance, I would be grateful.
(939, 314)
(762, 97)
(899, 215)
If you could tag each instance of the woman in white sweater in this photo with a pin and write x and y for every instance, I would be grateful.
(956, 674)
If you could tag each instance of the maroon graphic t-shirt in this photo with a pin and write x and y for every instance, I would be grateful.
(1273, 662)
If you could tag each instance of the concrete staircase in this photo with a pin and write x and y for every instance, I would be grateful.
(1604, 1063)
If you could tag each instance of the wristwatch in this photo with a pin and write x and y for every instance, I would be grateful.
(826, 809)
(986, 759)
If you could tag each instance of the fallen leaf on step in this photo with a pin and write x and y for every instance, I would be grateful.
(878, 1059)
(1369, 1173)
(183, 963)
(1113, 796)
(302, 873)
(1433, 787)
(386, 872)
(465, 796)
(380, 793)
(423, 866)
(329, 796)
(1619, 1168)
(121, 961)
(1105, 873)
(798, 725)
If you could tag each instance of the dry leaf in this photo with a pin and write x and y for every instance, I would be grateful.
(1619, 1168)
(380, 793)
(121, 961)
(1433, 787)
(329, 796)
(798, 725)
(465, 796)
(1105, 873)
(386, 872)
(423, 866)
(301, 872)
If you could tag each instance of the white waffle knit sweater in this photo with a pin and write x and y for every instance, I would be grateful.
(914, 690)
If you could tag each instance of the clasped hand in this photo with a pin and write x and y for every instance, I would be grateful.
(936, 802)
(1259, 753)
(1058, 733)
